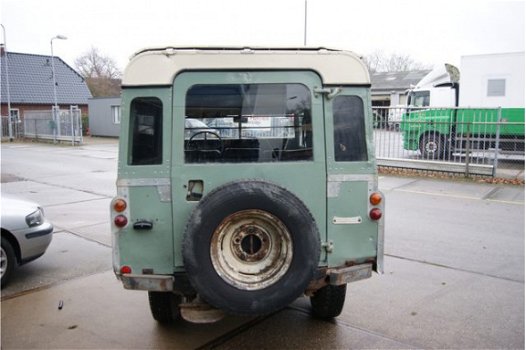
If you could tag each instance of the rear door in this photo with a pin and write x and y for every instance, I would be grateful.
(351, 172)
(230, 126)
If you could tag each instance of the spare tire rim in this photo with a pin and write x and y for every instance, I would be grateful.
(251, 249)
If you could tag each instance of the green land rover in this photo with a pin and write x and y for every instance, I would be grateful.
(246, 179)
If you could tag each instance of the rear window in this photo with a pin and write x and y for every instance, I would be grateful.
(235, 123)
(146, 116)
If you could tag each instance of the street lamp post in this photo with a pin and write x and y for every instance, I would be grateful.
(305, 26)
(9, 121)
(55, 107)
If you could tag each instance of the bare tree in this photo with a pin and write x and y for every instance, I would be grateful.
(100, 72)
(378, 61)
(374, 61)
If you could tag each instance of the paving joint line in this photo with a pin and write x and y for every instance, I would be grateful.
(455, 268)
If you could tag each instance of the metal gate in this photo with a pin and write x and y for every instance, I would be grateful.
(56, 125)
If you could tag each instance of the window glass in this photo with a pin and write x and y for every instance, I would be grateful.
(116, 114)
(496, 87)
(146, 116)
(248, 123)
(349, 129)
(419, 98)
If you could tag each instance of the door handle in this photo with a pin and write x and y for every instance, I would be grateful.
(143, 225)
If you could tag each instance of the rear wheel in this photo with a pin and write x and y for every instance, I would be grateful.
(328, 301)
(165, 306)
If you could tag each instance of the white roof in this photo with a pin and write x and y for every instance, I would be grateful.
(159, 66)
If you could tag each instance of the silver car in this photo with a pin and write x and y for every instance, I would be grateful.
(26, 234)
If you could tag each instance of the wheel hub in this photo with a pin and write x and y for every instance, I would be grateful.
(251, 249)
(250, 243)
(431, 147)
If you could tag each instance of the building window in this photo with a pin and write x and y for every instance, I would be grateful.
(496, 87)
(116, 114)
(15, 114)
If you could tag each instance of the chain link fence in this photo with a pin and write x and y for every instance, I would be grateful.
(473, 141)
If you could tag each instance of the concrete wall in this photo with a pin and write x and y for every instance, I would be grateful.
(101, 121)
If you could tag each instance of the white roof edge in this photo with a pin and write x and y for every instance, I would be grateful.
(159, 66)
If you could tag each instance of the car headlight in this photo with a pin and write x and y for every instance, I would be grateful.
(35, 219)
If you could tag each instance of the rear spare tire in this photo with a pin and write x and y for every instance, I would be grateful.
(250, 247)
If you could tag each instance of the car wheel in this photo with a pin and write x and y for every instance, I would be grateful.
(433, 146)
(328, 301)
(7, 261)
(164, 306)
(250, 247)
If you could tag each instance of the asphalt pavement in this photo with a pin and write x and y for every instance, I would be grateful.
(454, 275)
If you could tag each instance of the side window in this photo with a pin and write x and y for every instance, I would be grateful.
(146, 116)
(243, 123)
(349, 129)
(419, 98)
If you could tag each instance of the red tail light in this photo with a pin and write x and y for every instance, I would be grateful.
(375, 214)
(120, 221)
(126, 270)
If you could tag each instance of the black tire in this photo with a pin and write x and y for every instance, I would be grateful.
(433, 146)
(7, 261)
(328, 301)
(266, 232)
(164, 306)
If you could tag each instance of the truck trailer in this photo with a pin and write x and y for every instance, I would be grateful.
(480, 106)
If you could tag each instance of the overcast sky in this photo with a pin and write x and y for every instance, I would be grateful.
(430, 32)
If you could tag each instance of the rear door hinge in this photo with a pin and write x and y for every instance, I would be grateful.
(329, 92)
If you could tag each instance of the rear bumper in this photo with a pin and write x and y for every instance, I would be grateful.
(349, 274)
(156, 283)
(333, 276)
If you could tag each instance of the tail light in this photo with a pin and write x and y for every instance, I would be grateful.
(120, 221)
(375, 214)
(375, 199)
(126, 270)
(119, 206)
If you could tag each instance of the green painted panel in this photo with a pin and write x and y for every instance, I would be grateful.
(148, 249)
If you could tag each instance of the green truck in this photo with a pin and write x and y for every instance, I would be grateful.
(490, 90)
(246, 179)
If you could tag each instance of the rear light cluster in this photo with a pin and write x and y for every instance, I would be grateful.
(375, 199)
(120, 219)
(119, 205)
